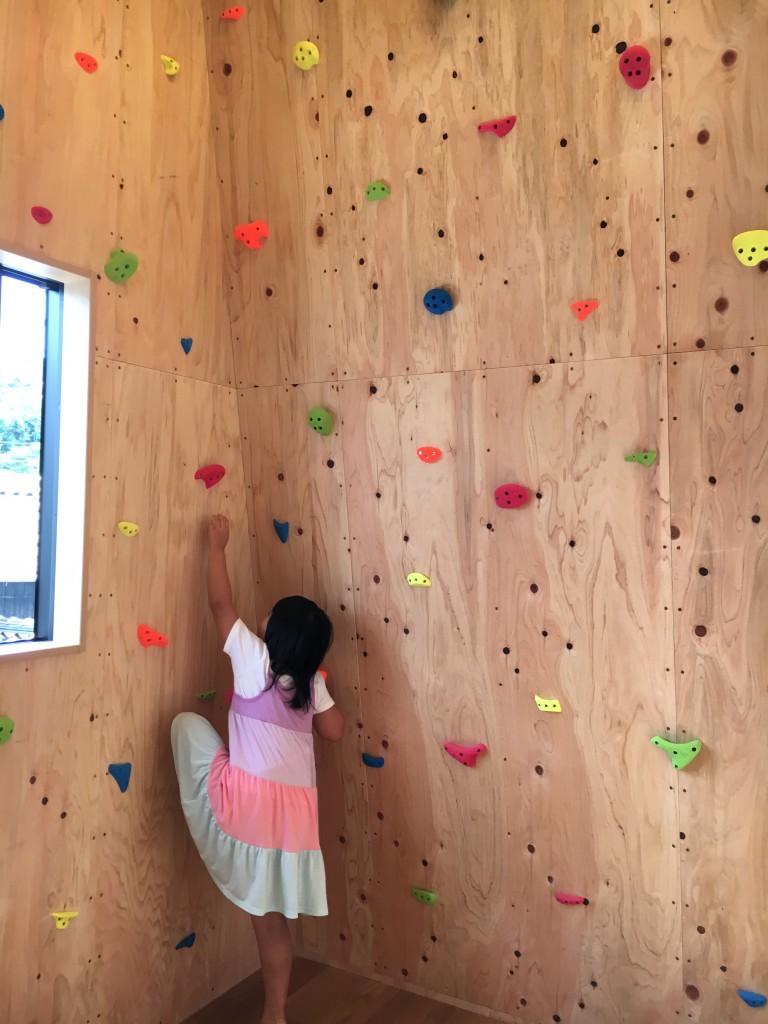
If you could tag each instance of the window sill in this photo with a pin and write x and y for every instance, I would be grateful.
(36, 649)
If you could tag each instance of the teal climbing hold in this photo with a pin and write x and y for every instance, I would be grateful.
(187, 942)
(644, 458)
(205, 695)
(121, 265)
(752, 998)
(321, 420)
(681, 754)
(121, 773)
(373, 762)
(281, 529)
(377, 190)
(7, 725)
(424, 896)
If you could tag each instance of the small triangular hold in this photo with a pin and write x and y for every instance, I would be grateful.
(187, 942)
(584, 308)
(63, 917)
(681, 754)
(465, 755)
(186, 344)
(281, 529)
(121, 773)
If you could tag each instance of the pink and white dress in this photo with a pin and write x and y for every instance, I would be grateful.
(252, 809)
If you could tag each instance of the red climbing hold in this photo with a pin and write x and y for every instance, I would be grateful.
(41, 214)
(323, 673)
(583, 309)
(511, 495)
(150, 638)
(466, 755)
(501, 127)
(210, 474)
(428, 454)
(635, 67)
(86, 62)
(232, 14)
(572, 901)
(252, 234)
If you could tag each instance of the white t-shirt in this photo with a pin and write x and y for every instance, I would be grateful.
(250, 665)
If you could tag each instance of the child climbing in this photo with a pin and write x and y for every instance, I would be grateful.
(252, 808)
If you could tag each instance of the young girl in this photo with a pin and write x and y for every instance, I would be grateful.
(252, 809)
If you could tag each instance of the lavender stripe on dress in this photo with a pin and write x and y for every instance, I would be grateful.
(270, 706)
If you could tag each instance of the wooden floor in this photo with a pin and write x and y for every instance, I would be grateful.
(324, 995)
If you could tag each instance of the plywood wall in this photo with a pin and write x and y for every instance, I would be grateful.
(593, 592)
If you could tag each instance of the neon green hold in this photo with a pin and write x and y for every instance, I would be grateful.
(7, 725)
(424, 896)
(645, 458)
(377, 190)
(681, 754)
(205, 695)
(321, 420)
(121, 265)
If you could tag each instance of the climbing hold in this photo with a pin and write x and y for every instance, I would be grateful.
(418, 579)
(751, 247)
(150, 638)
(210, 474)
(424, 896)
(502, 127)
(187, 942)
(86, 62)
(127, 529)
(377, 190)
(281, 529)
(252, 234)
(232, 14)
(547, 705)
(323, 673)
(2, 112)
(511, 495)
(170, 66)
(373, 762)
(186, 344)
(205, 695)
(428, 454)
(681, 754)
(121, 265)
(438, 301)
(320, 420)
(635, 66)
(465, 755)
(571, 901)
(752, 998)
(305, 55)
(41, 214)
(63, 917)
(7, 725)
(121, 773)
(584, 308)
(644, 458)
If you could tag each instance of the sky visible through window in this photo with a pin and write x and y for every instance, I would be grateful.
(22, 352)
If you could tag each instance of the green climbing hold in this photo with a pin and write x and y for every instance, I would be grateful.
(121, 265)
(681, 754)
(644, 458)
(205, 695)
(377, 190)
(424, 896)
(321, 420)
(7, 725)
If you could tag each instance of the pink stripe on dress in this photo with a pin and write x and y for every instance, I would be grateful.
(260, 812)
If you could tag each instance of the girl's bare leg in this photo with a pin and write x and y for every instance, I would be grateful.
(276, 954)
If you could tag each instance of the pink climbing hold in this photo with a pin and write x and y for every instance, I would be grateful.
(635, 67)
(572, 901)
(210, 474)
(500, 127)
(41, 214)
(466, 755)
(511, 495)
(584, 308)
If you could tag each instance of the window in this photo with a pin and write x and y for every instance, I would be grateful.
(44, 363)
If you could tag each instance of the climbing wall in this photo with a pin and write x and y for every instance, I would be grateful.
(629, 593)
(121, 157)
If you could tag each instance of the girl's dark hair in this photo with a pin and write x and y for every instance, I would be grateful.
(298, 636)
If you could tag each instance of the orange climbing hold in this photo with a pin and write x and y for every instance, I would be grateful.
(150, 637)
(232, 14)
(428, 454)
(252, 234)
(466, 755)
(86, 62)
(584, 308)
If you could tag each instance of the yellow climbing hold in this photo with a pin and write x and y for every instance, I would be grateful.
(305, 55)
(170, 66)
(418, 579)
(128, 529)
(63, 918)
(547, 705)
(751, 247)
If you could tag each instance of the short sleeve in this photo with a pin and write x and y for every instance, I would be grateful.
(323, 700)
(250, 660)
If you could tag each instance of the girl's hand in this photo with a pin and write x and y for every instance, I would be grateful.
(218, 532)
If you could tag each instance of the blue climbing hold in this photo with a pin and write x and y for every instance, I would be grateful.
(373, 762)
(438, 301)
(752, 998)
(281, 529)
(2, 112)
(186, 344)
(187, 942)
(121, 773)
